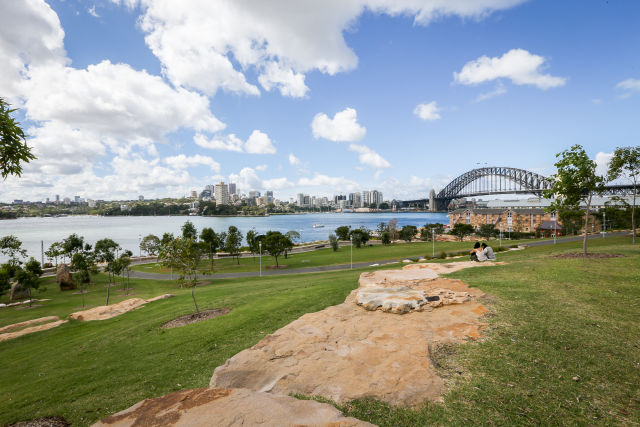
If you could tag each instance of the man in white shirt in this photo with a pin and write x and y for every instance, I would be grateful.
(488, 253)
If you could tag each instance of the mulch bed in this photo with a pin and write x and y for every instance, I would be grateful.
(193, 318)
(589, 255)
(43, 422)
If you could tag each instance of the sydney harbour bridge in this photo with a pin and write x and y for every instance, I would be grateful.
(495, 180)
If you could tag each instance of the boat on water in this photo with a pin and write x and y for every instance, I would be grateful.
(318, 225)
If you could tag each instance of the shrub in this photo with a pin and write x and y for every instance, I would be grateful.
(513, 246)
(442, 255)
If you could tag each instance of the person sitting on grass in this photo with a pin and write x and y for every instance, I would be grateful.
(488, 252)
(477, 254)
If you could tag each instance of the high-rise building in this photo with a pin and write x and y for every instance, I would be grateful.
(194, 194)
(357, 200)
(300, 199)
(57, 199)
(141, 198)
(253, 194)
(366, 198)
(376, 197)
(76, 199)
(221, 192)
(232, 188)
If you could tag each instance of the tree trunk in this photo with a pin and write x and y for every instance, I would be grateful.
(108, 289)
(194, 299)
(30, 298)
(586, 226)
(276, 262)
(82, 293)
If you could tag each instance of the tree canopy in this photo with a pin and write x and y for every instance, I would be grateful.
(276, 243)
(14, 150)
(626, 163)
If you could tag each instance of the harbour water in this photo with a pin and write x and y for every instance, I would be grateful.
(128, 230)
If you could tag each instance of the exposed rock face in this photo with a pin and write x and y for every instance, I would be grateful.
(345, 353)
(18, 292)
(64, 278)
(228, 407)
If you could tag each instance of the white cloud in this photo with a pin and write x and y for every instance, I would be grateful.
(428, 111)
(246, 180)
(259, 143)
(92, 11)
(602, 163)
(286, 80)
(293, 160)
(518, 65)
(198, 42)
(262, 167)
(369, 157)
(183, 162)
(629, 85)
(335, 183)
(344, 126)
(277, 184)
(499, 90)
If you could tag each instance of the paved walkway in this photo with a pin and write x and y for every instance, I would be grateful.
(161, 276)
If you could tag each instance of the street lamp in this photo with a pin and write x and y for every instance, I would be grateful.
(433, 240)
(351, 240)
(604, 223)
(139, 246)
(555, 227)
(500, 234)
(260, 246)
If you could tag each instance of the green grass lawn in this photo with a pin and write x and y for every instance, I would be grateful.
(323, 257)
(553, 319)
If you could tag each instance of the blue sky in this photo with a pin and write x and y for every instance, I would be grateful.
(157, 97)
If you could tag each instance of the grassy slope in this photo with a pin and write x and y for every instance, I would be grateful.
(328, 257)
(555, 319)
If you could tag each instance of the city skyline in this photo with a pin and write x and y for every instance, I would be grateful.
(398, 96)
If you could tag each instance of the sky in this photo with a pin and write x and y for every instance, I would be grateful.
(122, 98)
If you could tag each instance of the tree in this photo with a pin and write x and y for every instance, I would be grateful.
(13, 144)
(384, 206)
(11, 247)
(571, 220)
(252, 241)
(72, 244)
(5, 280)
(429, 230)
(575, 181)
(333, 241)
(29, 276)
(385, 237)
(626, 162)
(293, 236)
(211, 243)
(167, 254)
(487, 231)
(125, 264)
(342, 232)
(54, 251)
(166, 238)
(150, 244)
(233, 242)
(408, 232)
(393, 229)
(187, 256)
(461, 230)
(83, 265)
(105, 251)
(359, 236)
(382, 227)
(189, 231)
(276, 243)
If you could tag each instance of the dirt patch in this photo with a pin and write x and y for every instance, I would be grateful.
(17, 332)
(113, 310)
(571, 255)
(193, 318)
(43, 422)
(16, 326)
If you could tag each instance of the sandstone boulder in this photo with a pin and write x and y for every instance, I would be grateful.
(228, 407)
(18, 292)
(64, 278)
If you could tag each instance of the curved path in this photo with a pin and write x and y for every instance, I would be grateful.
(336, 267)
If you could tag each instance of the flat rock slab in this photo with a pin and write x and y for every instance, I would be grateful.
(405, 299)
(113, 310)
(344, 353)
(228, 407)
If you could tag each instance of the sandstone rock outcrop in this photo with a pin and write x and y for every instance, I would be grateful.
(228, 407)
(64, 278)
(346, 352)
(18, 292)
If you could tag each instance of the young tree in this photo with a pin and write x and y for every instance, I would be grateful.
(29, 276)
(234, 242)
(72, 244)
(13, 144)
(408, 232)
(167, 254)
(187, 256)
(574, 182)
(461, 230)
(54, 251)
(125, 264)
(333, 241)
(252, 241)
(385, 238)
(342, 232)
(626, 162)
(382, 227)
(429, 230)
(11, 247)
(83, 266)
(189, 231)
(393, 229)
(5, 280)
(276, 243)
(211, 243)
(359, 236)
(487, 231)
(150, 244)
(166, 238)
(105, 251)
(294, 237)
